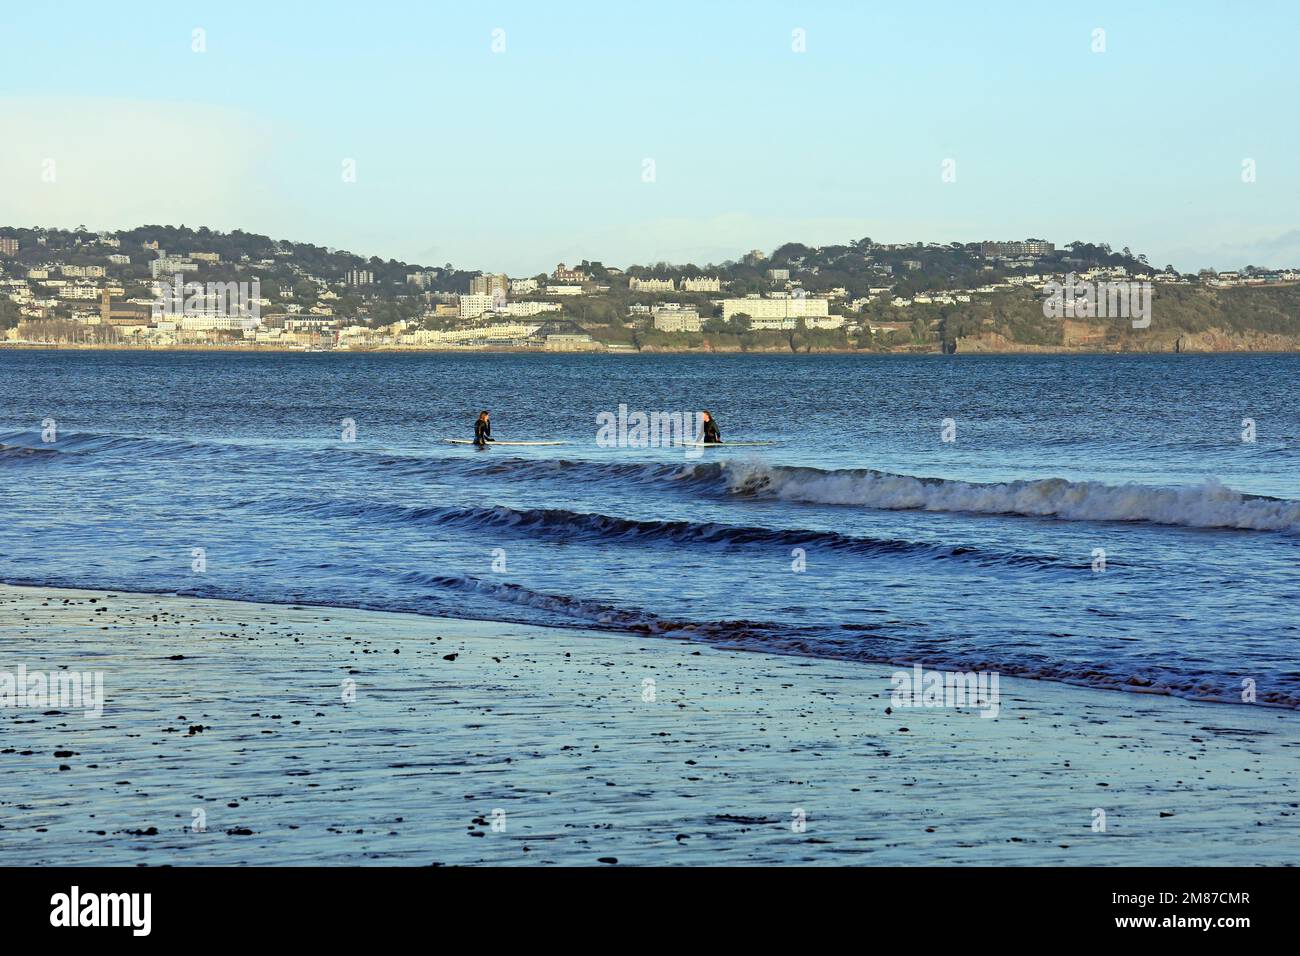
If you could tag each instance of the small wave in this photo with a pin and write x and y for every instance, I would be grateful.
(568, 470)
(869, 643)
(87, 443)
(404, 461)
(1210, 505)
(18, 453)
(879, 643)
(604, 616)
(563, 524)
(650, 473)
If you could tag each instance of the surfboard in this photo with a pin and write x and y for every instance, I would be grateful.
(723, 444)
(466, 441)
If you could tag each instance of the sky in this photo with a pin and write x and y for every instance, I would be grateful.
(513, 136)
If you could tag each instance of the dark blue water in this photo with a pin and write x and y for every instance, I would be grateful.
(974, 552)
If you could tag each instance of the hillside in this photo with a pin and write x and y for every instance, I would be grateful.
(913, 297)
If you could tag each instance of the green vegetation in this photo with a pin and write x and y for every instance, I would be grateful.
(861, 280)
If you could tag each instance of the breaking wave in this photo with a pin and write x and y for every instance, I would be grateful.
(1210, 505)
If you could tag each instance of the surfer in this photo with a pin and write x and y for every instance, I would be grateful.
(483, 429)
(711, 434)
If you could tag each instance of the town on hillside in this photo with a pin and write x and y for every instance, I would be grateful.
(174, 287)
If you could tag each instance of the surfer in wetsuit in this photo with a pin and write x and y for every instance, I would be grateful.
(483, 429)
(711, 434)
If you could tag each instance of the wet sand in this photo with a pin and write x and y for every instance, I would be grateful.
(473, 743)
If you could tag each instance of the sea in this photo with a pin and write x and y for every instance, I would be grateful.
(1128, 522)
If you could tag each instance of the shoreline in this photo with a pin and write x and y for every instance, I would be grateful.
(1037, 350)
(235, 712)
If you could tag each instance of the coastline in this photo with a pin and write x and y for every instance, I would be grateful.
(415, 350)
(236, 712)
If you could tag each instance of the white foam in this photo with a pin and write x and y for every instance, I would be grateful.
(1211, 505)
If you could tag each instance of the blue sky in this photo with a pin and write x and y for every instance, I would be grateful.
(518, 159)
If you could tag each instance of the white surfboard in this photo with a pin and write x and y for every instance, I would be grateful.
(724, 444)
(466, 441)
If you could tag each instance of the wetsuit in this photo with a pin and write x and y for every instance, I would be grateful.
(482, 432)
(711, 434)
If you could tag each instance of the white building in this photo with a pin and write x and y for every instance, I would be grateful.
(309, 325)
(473, 306)
(83, 272)
(527, 307)
(701, 284)
(169, 265)
(481, 336)
(651, 285)
(676, 320)
(523, 286)
(777, 313)
(210, 321)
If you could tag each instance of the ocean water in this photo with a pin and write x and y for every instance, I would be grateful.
(858, 534)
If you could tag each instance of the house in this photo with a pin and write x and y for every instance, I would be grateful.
(563, 274)
(651, 285)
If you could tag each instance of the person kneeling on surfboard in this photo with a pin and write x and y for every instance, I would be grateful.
(483, 429)
(711, 434)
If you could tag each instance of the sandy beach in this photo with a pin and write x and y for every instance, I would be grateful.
(237, 733)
